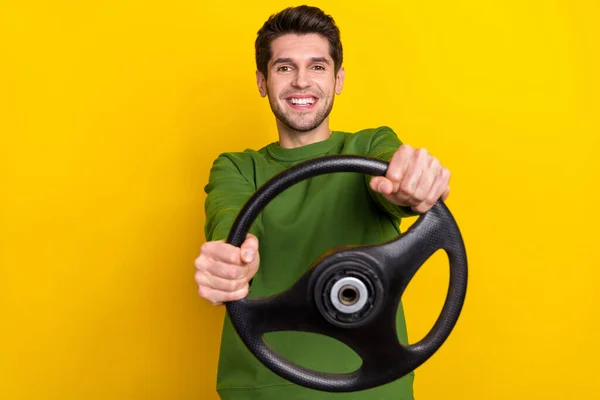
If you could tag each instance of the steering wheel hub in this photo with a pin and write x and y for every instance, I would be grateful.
(347, 292)
(349, 295)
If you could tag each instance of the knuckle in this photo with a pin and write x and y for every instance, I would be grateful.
(413, 202)
(403, 151)
(232, 296)
(222, 271)
(407, 148)
(432, 198)
(405, 187)
(422, 153)
(232, 286)
(204, 292)
(235, 273)
(242, 292)
(446, 173)
(233, 258)
(419, 195)
(201, 263)
(394, 174)
(205, 248)
(228, 272)
(422, 207)
(239, 285)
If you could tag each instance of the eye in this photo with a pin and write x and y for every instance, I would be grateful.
(284, 68)
(319, 68)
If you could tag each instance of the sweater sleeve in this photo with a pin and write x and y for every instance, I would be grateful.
(227, 192)
(383, 145)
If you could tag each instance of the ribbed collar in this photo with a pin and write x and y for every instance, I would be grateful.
(305, 152)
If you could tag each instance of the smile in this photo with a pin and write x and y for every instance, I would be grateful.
(302, 102)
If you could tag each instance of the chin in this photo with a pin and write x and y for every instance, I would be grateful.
(301, 123)
(307, 127)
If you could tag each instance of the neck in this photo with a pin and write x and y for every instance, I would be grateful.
(291, 139)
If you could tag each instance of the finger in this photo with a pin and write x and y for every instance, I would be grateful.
(413, 173)
(218, 283)
(429, 177)
(249, 248)
(446, 193)
(222, 252)
(437, 190)
(227, 271)
(399, 165)
(381, 185)
(218, 297)
(446, 174)
(443, 189)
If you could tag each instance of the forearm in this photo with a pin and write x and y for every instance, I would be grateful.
(227, 192)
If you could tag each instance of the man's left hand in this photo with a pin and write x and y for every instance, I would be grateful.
(414, 179)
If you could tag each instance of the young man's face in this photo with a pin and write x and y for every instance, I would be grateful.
(302, 82)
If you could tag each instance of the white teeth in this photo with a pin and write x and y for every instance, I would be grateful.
(302, 102)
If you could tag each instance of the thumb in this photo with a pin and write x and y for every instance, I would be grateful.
(381, 185)
(249, 248)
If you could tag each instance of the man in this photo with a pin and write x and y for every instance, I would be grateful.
(299, 69)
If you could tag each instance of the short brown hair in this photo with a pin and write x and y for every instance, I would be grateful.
(300, 20)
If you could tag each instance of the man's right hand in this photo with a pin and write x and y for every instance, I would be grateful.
(223, 271)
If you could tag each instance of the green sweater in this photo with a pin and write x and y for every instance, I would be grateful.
(293, 230)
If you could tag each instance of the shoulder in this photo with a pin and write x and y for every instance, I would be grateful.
(242, 159)
(237, 163)
(369, 134)
(368, 137)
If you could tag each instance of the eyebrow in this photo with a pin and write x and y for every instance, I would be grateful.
(285, 60)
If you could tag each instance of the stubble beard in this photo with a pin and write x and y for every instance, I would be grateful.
(301, 122)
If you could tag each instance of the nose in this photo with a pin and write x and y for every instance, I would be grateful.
(301, 79)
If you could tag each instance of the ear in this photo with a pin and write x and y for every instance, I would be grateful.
(261, 82)
(339, 80)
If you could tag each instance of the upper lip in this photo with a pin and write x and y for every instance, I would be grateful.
(301, 96)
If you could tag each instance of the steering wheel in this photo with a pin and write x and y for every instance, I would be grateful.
(351, 293)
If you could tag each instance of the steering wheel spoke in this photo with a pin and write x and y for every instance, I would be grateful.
(290, 310)
(401, 258)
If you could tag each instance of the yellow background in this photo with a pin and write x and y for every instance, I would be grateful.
(112, 112)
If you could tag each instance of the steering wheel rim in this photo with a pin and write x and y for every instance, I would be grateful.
(385, 366)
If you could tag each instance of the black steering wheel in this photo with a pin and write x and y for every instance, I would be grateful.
(351, 293)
